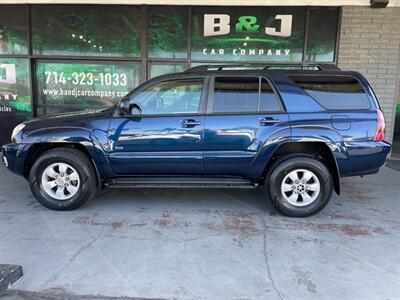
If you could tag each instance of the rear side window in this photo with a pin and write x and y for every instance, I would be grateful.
(334, 92)
(268, 99)
(244, 94)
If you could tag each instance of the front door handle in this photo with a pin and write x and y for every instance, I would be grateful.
(268, 121)
(188, 123)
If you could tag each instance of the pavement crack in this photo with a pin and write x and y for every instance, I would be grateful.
(267, 262)
(70, 260)
(83, 248)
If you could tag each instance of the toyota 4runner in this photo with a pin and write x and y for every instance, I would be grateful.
(294, 129)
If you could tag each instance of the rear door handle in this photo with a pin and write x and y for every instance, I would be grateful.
(188, 123)
(268, 121)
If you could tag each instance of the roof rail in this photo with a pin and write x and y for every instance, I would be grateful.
(271, 66)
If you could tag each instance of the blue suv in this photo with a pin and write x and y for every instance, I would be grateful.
(294, 129)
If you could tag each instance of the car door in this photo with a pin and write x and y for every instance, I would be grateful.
(163, 134)
(242, 114)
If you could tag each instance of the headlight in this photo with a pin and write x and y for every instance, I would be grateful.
(17, 130)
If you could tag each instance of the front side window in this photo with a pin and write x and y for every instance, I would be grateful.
(334, 92)
(244, 94)
(170, 97)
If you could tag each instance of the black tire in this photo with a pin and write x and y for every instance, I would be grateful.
(283, 167)
(82, 165)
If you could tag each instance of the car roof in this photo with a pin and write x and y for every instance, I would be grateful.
(260, 69)
(266, 67)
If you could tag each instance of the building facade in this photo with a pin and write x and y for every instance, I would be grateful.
(57, 58)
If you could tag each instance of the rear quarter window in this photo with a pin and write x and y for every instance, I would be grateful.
(334, 92)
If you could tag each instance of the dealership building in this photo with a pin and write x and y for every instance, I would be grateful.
(67, 56)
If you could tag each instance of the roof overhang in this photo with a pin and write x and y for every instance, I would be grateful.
(207, 2)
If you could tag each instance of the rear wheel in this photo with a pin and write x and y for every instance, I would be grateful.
(299, 186)
(62, 179)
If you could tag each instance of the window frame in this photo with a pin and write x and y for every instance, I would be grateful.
(210, 100)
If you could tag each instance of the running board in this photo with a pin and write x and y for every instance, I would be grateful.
(180, 182)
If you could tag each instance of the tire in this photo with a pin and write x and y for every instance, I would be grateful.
(291, 195)
(59, 191)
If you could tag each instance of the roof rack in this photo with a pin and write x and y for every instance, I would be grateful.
(290, 66)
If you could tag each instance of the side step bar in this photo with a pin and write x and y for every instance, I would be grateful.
(180, 182)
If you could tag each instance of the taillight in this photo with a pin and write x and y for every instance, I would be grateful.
(380, 130)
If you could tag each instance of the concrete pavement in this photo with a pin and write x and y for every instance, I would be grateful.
(204, 244)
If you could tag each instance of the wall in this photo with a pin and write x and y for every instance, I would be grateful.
(370, 44)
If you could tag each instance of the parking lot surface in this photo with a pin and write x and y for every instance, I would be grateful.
(204, 244)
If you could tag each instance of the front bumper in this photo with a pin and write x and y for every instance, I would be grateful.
(13, 157)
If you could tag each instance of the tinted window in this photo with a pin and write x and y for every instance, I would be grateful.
(171, 97)
(268, 99)
(13, 30)
(235, 94)
(167, 33)
(86, 30)
(238, 94)
(322, 31)
(157, 69)
(15, 87)
(334, 92)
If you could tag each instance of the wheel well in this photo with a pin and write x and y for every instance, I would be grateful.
(39, 148)
(319, 150)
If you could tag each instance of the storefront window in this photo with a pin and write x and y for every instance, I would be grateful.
(248, 34)
(167, 33)
(322, 31)
(15, 87)
(15, 99)
(161, 69)
(84, 84)
(13, 30)
(84, 30)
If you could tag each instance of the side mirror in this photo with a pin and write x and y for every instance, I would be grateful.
(135, 110)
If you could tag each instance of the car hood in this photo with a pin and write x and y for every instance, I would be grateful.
(78, 119)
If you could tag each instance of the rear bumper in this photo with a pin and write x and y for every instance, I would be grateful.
(13, 157)
(364, 158)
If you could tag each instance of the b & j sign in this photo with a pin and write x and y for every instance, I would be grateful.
(260, 34)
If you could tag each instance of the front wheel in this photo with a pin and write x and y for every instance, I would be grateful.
(62, 179)
(299, 186)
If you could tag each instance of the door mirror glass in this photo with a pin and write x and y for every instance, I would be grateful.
(134, 109)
